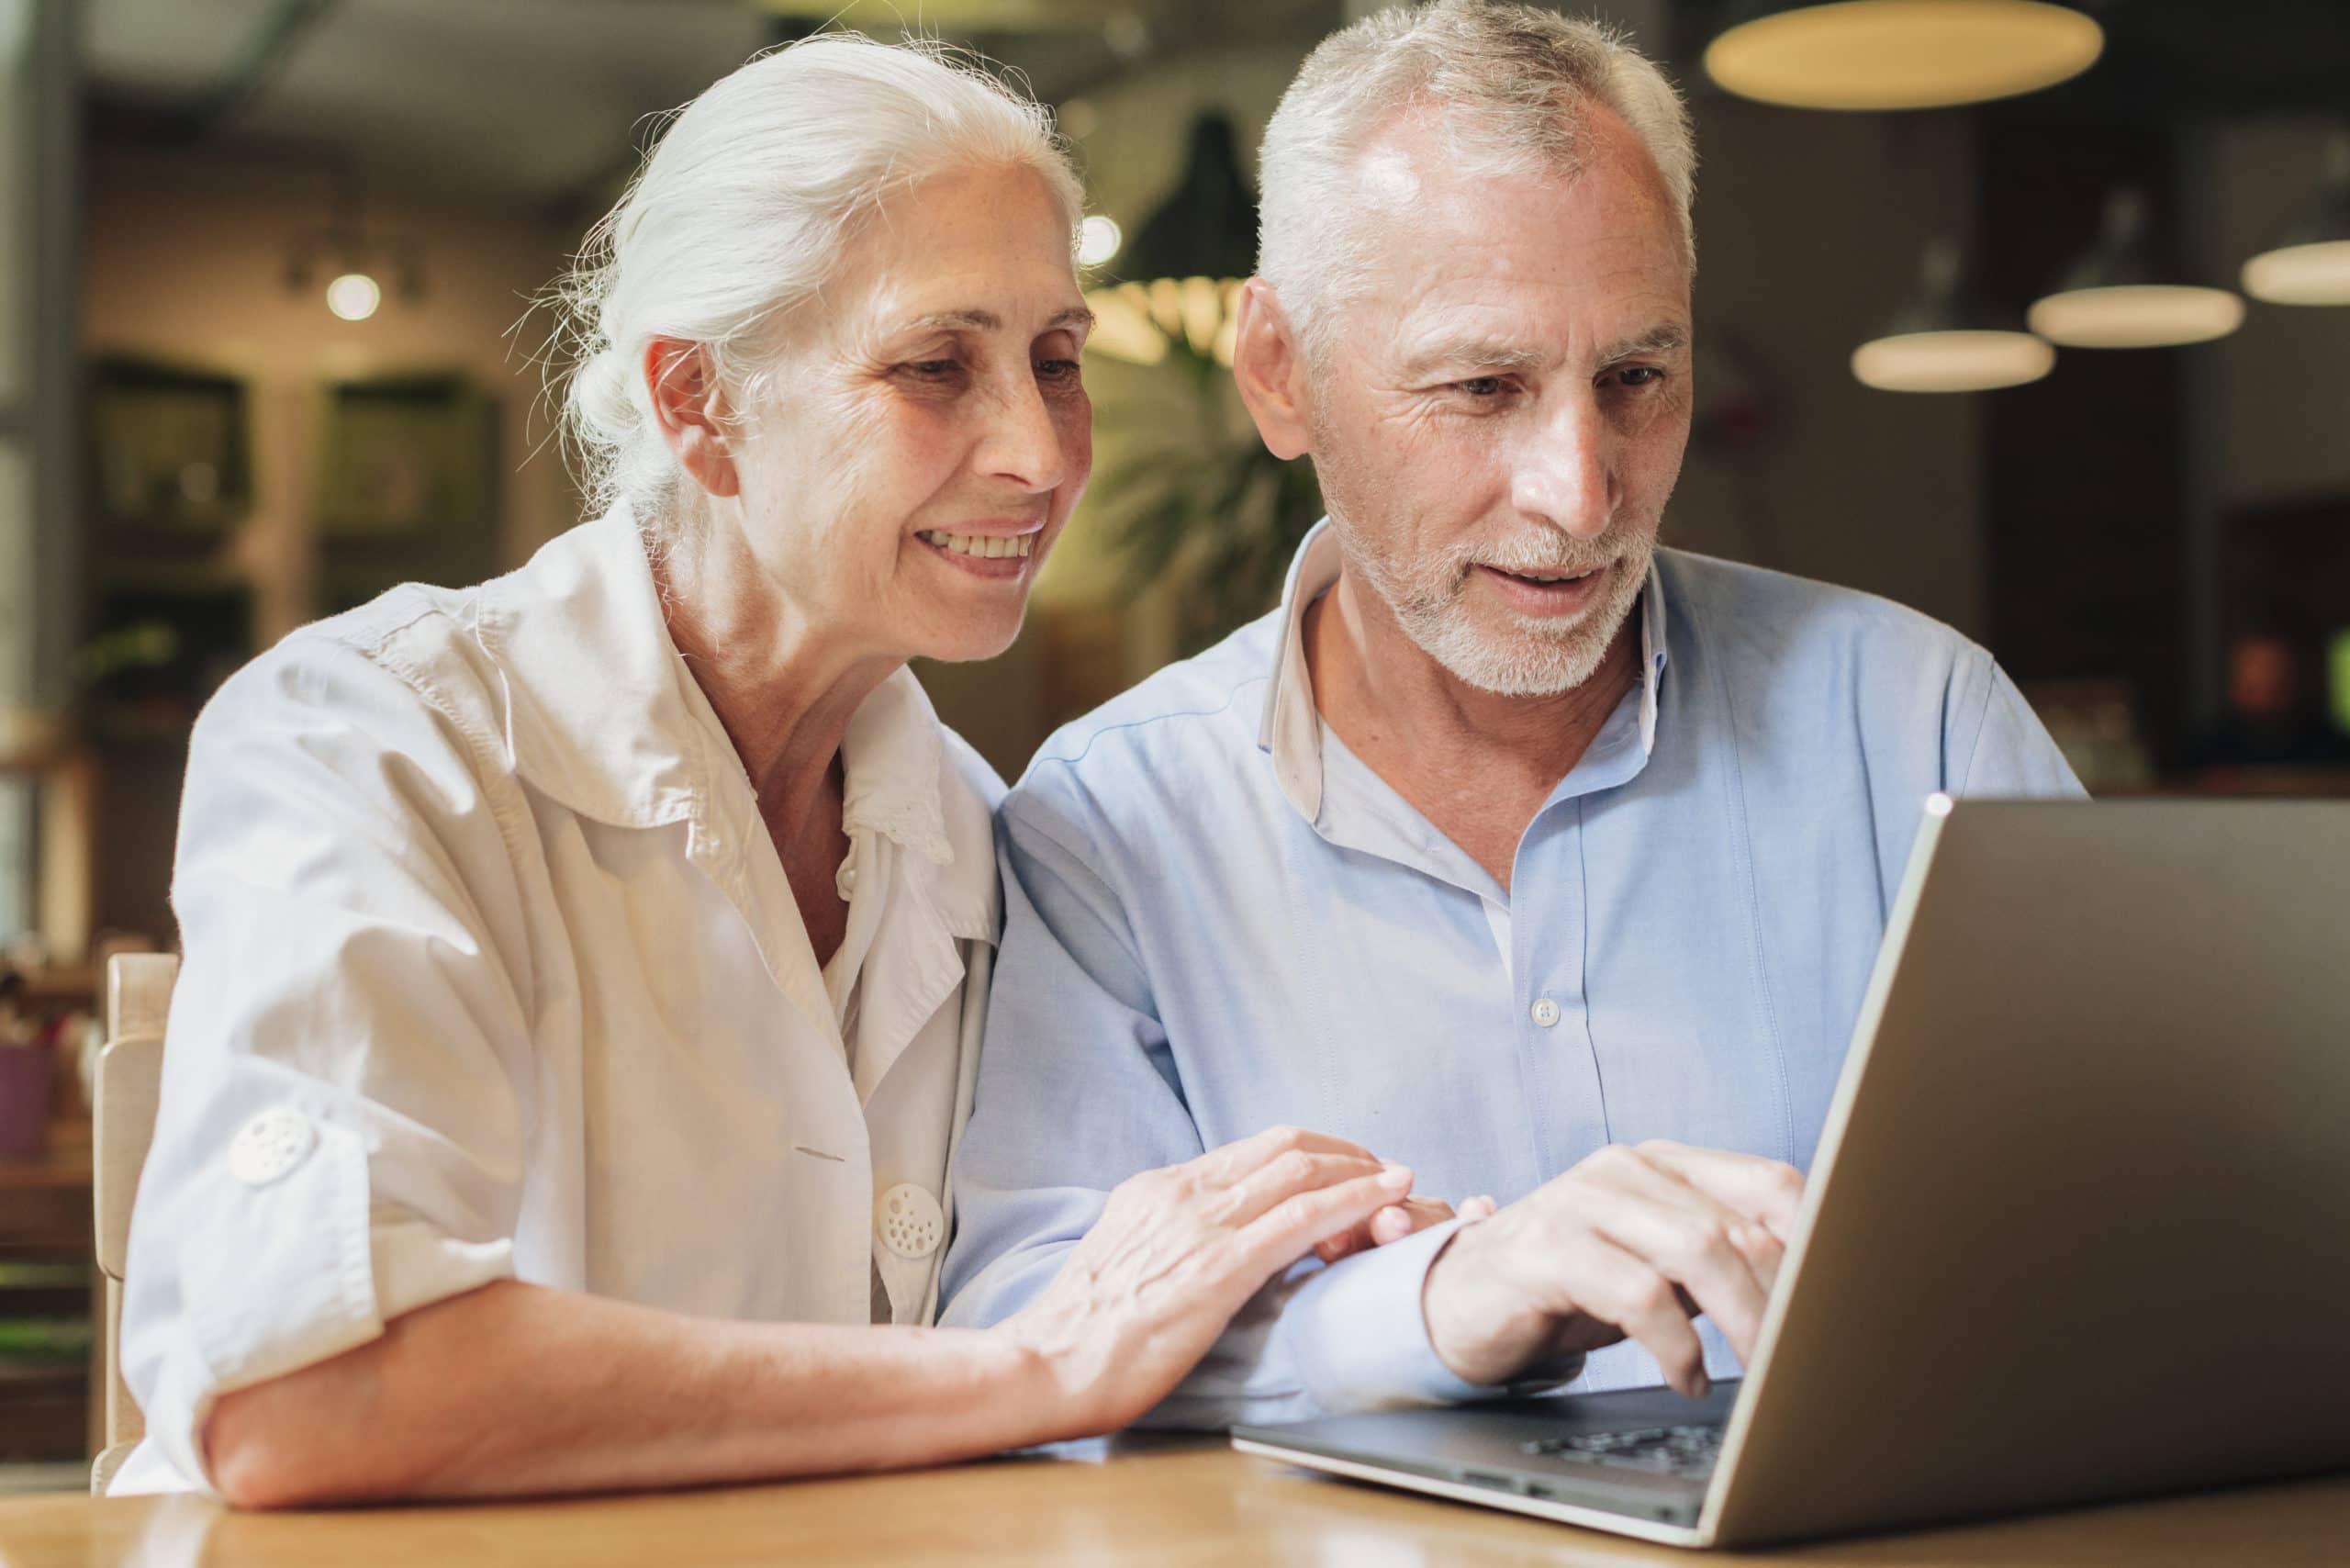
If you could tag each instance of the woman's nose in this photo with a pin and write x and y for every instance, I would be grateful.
(1021, 443)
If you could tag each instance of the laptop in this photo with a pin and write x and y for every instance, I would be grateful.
(2079, 1228)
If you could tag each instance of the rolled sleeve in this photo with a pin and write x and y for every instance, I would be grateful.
(339, 1136)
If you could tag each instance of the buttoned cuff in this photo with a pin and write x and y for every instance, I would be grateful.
(1358, 1339)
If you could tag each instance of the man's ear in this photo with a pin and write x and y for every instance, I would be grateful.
(1269, 364)
(689, 404)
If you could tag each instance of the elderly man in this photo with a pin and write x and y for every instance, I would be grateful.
(1511, 845)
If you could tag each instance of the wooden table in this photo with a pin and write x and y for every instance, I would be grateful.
(1190, 1503)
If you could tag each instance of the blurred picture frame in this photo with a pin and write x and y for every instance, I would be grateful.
(169, 447)
(405, 457)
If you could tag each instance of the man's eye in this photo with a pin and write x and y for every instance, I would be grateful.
(1058, 369)
(1640, 375)
(1482, 386)
(933, 369)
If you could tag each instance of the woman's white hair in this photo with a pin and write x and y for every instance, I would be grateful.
(741, 213)
(1510, 86)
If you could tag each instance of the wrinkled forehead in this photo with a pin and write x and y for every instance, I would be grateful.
(990, 245)
(1595, 248)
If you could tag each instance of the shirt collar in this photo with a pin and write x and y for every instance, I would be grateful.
(601, 713)
(1292, 727)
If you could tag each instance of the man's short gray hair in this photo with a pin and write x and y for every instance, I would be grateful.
(1510, 85)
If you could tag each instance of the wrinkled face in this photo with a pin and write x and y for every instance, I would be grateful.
(911, 461)
(1500, 415)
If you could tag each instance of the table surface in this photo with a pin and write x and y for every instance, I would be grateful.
(1189, 1503)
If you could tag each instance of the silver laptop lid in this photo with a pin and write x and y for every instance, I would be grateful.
(2087, 1230)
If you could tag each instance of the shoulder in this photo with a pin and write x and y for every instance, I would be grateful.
(1154, 754)
(399, 676)
(1202, 705)
(1769, 620)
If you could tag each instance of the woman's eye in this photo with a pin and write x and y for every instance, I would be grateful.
(1058, 369)
(933, 369)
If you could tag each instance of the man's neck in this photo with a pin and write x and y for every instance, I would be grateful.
(1477, 764)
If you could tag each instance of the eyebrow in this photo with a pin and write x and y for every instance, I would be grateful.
(1489, 353)
(1656, 340)
(1493, 354)
(988, 321)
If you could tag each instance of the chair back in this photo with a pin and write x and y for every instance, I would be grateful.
(129, 1078)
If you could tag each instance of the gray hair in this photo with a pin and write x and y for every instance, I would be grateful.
(1511, 84)
(740, 214)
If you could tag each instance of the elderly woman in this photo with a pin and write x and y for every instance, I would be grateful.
(582, 971)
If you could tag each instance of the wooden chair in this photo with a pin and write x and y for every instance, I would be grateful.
(130, 1077)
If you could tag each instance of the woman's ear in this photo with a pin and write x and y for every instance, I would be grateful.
(690, 405)
(1269, 365)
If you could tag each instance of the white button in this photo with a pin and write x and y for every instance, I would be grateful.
(1545, 1011)
(845, 884)
(909, 1221)
(270, 1145)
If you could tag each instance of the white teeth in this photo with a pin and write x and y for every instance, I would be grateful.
(985, 546)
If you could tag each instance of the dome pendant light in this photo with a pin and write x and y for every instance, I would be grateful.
(1944, 340)
(1900, 54)
(2117, 297)
(2310, 262)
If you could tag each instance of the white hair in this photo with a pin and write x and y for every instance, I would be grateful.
(742, 211)
(1510, 85)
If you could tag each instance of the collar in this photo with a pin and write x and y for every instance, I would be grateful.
(1292, 727)
(601, 713)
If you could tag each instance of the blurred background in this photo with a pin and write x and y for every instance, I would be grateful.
(266, 348)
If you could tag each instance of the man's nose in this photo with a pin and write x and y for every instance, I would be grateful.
(1564, 473)
(1021, 443)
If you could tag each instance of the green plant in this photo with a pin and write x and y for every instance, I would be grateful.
(1210, 505)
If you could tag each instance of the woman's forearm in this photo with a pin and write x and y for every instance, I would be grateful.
(517, 1389)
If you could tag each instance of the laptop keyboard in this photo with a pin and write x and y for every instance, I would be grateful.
(1684, 1451)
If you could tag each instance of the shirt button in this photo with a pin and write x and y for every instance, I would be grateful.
(270, 1145)
(1545, 1011)
(909, 1221)
(844, 883)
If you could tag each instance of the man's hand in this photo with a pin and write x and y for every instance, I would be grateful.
(1630, 1244)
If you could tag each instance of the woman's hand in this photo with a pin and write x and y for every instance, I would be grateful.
(1176, 1252)
(1397, 1221)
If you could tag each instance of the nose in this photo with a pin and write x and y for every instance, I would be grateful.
(1563, 474)
(1020, 442)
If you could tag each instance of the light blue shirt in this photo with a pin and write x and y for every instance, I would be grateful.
(1218, 919)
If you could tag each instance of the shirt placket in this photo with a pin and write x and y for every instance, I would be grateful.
(1566, 1098)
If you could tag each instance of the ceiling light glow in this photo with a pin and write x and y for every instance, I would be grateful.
(1097, 239)
(2136, 315)
(1903, 54)
(1952, 362)
(354, 297)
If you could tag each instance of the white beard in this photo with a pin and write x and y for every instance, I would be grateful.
(1531, 658)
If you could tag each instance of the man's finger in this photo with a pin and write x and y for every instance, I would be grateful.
(1765, 1190)
(1685, 1236)
(1618, 1288)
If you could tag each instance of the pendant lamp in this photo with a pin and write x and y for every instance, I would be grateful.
(2120, 296)
(1187, 260)
(1946, 339)
(2308, 264)
(1900, 54)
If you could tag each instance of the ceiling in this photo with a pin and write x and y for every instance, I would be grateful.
(541, 103)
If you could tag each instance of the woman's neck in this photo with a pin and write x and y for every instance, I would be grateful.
(784, 688)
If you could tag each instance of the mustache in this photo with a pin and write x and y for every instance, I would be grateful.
(1548, 556)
